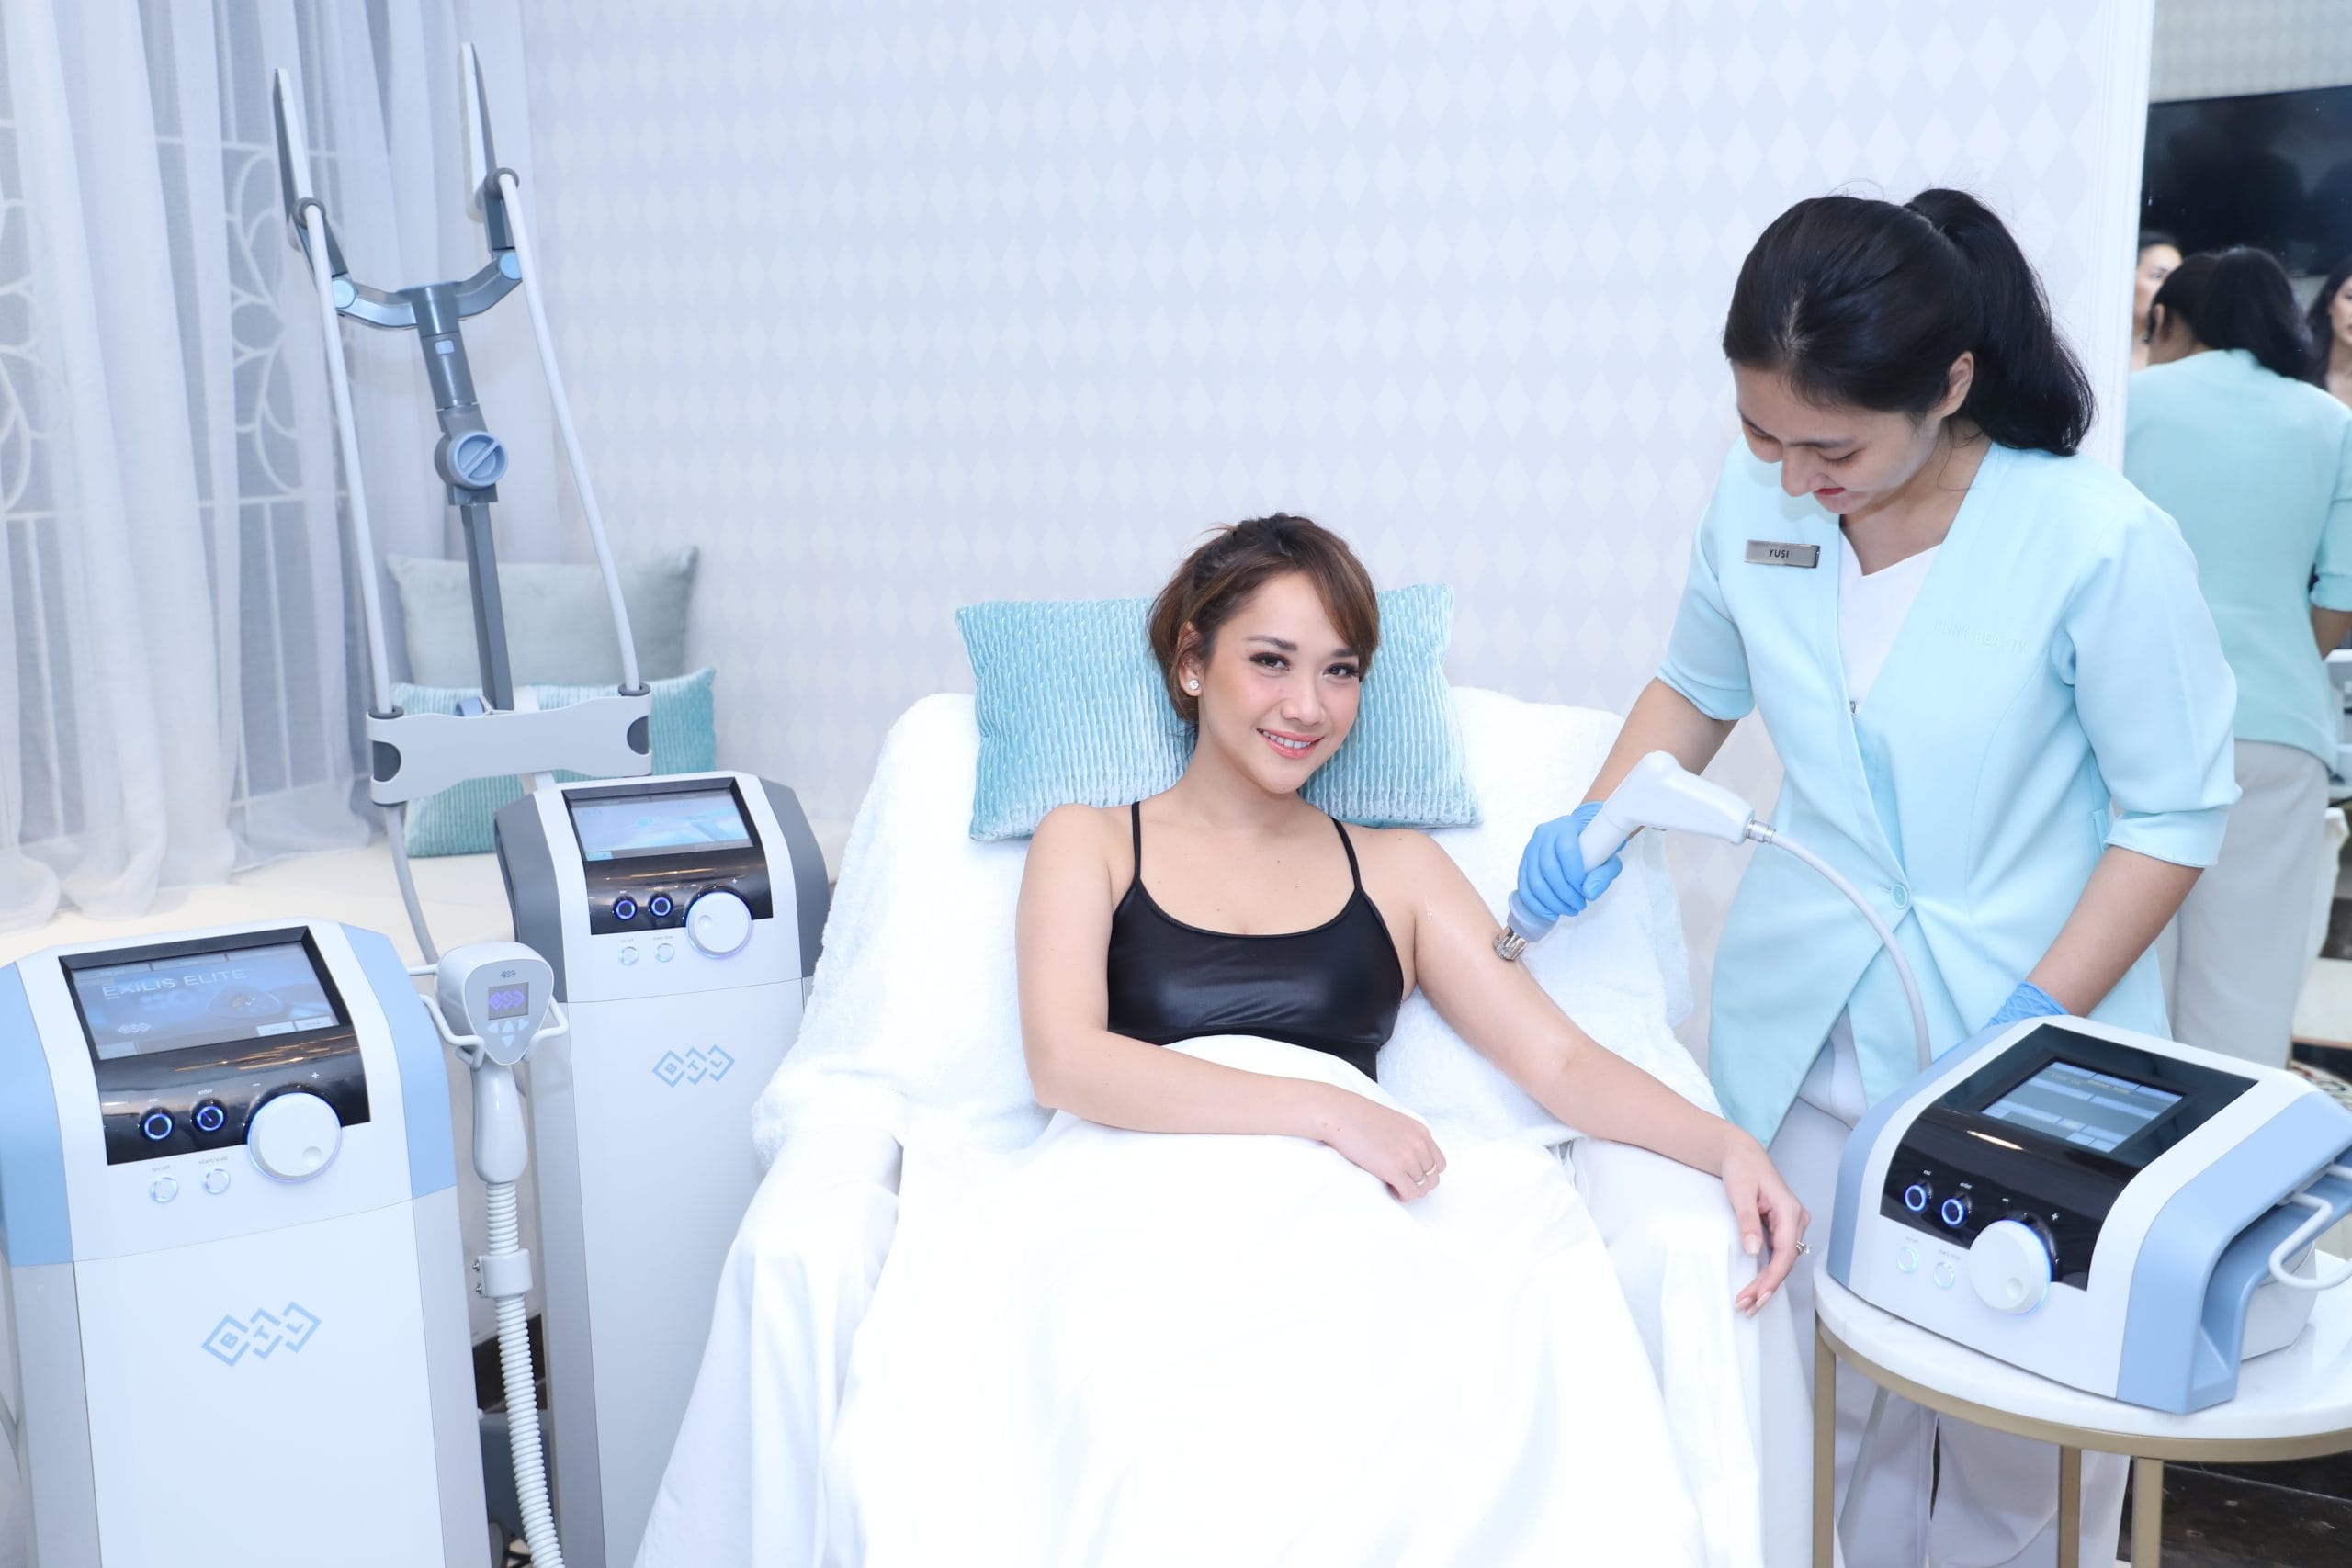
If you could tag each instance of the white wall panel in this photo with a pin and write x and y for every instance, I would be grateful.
(895, 307)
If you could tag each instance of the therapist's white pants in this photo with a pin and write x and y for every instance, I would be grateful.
(2235, 957)
(1995, 1496)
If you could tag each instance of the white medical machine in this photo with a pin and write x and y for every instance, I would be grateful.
(2339, 689)
(233, 1257)
(2117, 1212)
(682, 917)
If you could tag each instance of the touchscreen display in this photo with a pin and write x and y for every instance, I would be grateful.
(510, 1002)
(627, 825)
(2071, 1104)
(145, 1008)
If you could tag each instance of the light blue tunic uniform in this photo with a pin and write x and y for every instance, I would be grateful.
(2257, 471)
(2058, 658)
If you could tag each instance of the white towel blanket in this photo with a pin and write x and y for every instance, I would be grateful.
(1120, 1350)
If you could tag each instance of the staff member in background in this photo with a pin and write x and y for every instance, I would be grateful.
(2159, 253)
(2330, 326)
(2256, 466)
(2002, 712)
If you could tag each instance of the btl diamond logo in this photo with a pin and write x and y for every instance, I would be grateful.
(267, 1333)
(692, 1068)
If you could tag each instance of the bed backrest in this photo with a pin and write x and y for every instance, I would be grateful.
(914, 1025)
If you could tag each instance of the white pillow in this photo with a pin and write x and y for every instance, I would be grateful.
(914, 1023)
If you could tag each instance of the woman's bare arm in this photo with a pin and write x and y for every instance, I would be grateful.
(1508, 1017)
(1077, 1065)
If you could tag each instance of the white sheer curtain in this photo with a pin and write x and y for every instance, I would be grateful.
(178, 701)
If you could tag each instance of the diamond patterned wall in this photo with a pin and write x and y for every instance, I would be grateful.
(895, 307)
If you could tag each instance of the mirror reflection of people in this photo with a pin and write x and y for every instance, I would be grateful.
(2329, 323)
(2159, 253)
(1980, 646)
(2256, 466)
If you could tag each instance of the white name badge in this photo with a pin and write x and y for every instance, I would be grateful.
(1768, 552)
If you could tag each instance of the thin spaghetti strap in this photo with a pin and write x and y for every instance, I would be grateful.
(1355, 873)
(1135, 819)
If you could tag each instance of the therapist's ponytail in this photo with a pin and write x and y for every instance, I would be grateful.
(1865, 304)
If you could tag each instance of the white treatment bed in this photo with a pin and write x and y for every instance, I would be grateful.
(911, 1042)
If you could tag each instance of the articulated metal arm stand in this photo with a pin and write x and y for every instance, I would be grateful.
(417, 754)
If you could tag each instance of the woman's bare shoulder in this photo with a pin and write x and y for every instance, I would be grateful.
(1070, 828)
(1400, 852)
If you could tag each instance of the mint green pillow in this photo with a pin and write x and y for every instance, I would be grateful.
(456, 822)
(1072, 709)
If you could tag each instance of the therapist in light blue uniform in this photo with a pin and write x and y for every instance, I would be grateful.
(2256, 464)
(2003, 714)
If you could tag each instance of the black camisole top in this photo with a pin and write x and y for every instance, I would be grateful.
(1336, 987)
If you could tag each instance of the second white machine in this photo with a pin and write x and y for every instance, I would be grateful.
(681, 915)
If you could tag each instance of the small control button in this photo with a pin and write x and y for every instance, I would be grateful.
(1946, 1274)
(156, 1125)
(1955, 1210)
(1917, 1196)
(164, 1189)
(665, 953)
(216, 1180)
(1907, 1260)
(658, 906)
(629, 956)
(209, 1117)
(624, 907)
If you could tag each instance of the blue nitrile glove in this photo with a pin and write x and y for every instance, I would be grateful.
(1553, 881)
(2028, 1000)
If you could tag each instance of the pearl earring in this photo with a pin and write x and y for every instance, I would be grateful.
(1191, 685)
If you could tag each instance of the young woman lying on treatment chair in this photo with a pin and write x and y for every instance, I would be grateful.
(1233, 1347)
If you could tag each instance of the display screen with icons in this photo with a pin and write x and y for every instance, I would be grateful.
(144, 1006)
(619, 826)
(510, 1002)
(2075, 1105)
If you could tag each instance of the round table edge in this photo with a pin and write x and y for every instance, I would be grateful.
(2140, 1445)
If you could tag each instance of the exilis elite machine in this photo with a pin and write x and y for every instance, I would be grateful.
(682, 915)
(233, 1263)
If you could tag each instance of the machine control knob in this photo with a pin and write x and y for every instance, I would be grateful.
(719, 923)
(1918, 1197)
(2009, 1265)
(156, 1125)
(294, 1136)
(1955, 1210)
(211, 1117)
